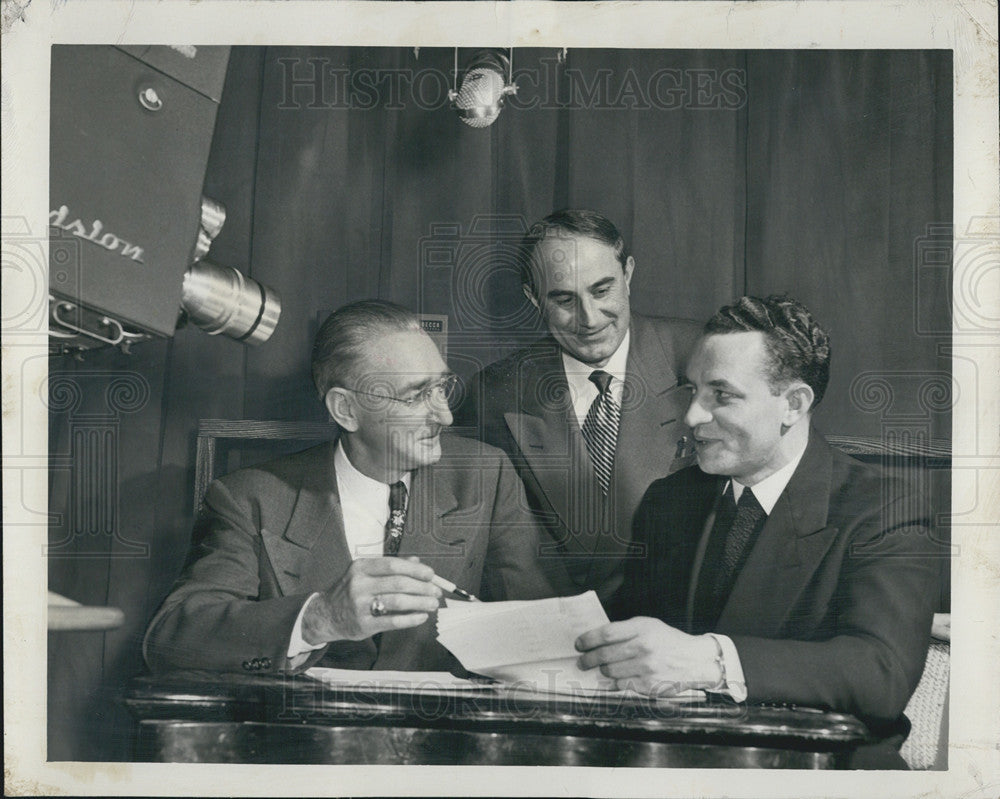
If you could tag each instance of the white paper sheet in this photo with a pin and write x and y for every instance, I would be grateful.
(530, 644)
(410, 680)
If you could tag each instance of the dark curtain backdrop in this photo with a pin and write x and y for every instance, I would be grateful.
(816, 173)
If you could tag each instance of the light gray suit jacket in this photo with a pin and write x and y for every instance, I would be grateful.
(271, 535)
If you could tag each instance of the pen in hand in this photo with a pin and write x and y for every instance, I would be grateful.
(451, 588)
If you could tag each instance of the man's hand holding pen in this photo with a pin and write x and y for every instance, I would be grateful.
(376, 595)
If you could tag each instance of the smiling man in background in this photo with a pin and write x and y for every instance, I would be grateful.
(313, 557)
(591, 414)
(778, 569)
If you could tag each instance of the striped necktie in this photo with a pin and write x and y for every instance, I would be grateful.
(600, 428)
(397, 518)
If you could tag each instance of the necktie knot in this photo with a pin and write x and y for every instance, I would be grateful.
(601, 379)
(749, 505)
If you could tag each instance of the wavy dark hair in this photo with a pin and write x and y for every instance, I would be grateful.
(799, 349)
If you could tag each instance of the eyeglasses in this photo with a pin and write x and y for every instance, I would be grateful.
(438, 393)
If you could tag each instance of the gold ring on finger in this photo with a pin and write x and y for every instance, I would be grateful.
(378, 607)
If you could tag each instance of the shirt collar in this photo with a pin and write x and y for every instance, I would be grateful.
(768, 490)
(578, 372)
(350, 480)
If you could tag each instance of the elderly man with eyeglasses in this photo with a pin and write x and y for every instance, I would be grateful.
(331, 555)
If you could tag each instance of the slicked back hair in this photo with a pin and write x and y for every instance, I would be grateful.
(568, 222)
(798, 348)
(339, 348)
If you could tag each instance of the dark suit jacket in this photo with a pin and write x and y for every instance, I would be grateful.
(833, 607)
(521, 404)
(271, 535)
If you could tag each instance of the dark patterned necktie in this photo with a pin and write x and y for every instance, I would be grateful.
(600, 428)
(747, 523)
(397, 518)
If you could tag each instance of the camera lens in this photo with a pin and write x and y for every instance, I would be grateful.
(222, 300)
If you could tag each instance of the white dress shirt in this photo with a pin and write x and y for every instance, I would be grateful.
(582, 391)
(766, 492)
(364, 504)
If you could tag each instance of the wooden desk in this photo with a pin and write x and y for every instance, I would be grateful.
(238, 718)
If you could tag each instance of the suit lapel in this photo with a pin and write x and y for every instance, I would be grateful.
(701, 530)
(311, 552)
(550, 440)
(439, 528)
(431, 532)
(793, 542)
(653, 407)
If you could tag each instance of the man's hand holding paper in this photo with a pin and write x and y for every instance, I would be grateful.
(530, 644)
(651, 657)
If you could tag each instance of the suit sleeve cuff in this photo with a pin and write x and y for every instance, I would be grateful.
(297, 645)
(734, 683)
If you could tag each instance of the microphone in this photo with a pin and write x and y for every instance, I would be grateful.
(481, 96)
